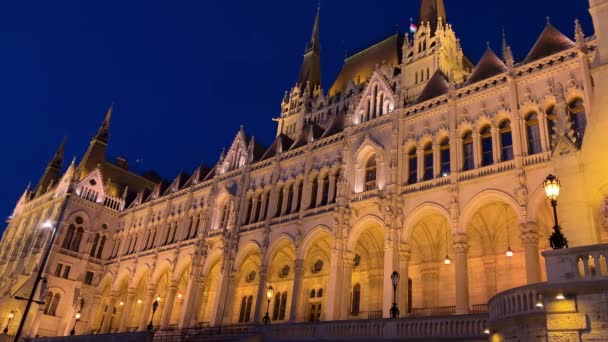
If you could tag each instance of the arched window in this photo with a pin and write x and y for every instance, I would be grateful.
(266, 205)
(412, 163)
(335, 193)
(94, 247)
(325, 190)
(101, 245)
(368, 109)
(313, 293)
(283, 306)
(428, 161)
(578, 119)
(225, 216)
(533, 132)
(416, 78)
(69, 236)
(370, 173)
(468, 159)
(382, 104)
(375, 102)
(248, 310)
(314, 187)
(51, 303)
(444, 155)
(277, 306)
(320, 293)
(299, 199)
(356, 301)
(48, 299)
(487, 155)
(243, 308)
(279, 210)
(258, 208)
(249, 209)
(506, 140)
(289, 205)
(551, 124)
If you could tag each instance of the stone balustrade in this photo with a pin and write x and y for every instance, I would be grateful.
(465, 327)
(578, 263)
(517, 301)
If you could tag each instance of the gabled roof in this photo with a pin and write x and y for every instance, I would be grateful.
(280, 144)
(310, 131)
(438, 85)
(198, 175)
(551, 41)
(489, 66)
(177, 183)
(336, 125)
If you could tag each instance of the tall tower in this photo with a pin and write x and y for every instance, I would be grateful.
(297, 102)
(432, 47)
(96, 153)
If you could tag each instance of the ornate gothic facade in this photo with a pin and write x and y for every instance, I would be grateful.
(415, 160)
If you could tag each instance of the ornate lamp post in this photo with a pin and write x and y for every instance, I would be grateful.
(269, 294)
(11, 315)
(557, 239)
(154, 307)
(77, 317)
(395, 281)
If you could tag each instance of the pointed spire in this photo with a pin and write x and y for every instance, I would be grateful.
(507, 53)
(315, 43)
(104, 130)
(58, 157)
(431, 11)
(579, 35)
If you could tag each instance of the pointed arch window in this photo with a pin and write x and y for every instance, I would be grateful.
(69, 236)
(94, 247)
(468, 156)
(243, 308)
(412, 162)
(533, 133)
(279, 210)
(277, 306)
(325, 190)
(101, 245)
(283, 306)
(266, 205)
(370, 173)
(428, 161)
(382, 111)
(578, 119)
(289, 205)
(551, 124)
(506, 140)
(487, 155)
(314, 187)
(299, 199)
(444, 155)
(356, 300)
(225, 216)
(249, 209)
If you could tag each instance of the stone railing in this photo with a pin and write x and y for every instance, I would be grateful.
(438, 311)
(462, 327)
(514, 302)
(537, 158)
(319, 210)
(365, 195)
(366, 315)
(578, 263)
(486, 170)
(426, 185)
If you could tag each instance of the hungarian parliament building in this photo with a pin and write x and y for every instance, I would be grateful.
(416, 161)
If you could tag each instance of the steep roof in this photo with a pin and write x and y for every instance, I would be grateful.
(280, 144)
(310, 131)
(489, 66)
(336, 125)
(360, 66)
(431, 11)
(551, 41)
(438, 85)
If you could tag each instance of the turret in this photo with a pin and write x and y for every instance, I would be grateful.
(52, 171)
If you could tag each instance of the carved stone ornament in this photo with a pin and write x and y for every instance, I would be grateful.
(604, 214)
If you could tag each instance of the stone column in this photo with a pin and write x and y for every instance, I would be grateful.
(389, 267)
(93, 312)
(461, 247)
(496, 148)
(191, 301)
(221, 296)
(260, 299)
(108, 314)
(348, 284)
(146, 311)
(477, 150)
(530, 238)
(126, 311)
(169, 303)
(296, 296)
(332, 189)
(334, 287)
(419, 165)
(403, 294)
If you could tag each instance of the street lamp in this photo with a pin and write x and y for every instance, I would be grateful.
(154, 307)
(557, 239)
(269, 294)
(395, 281)
(11, 315)
(77, 317)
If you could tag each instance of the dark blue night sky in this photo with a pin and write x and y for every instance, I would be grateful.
(186, 74)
